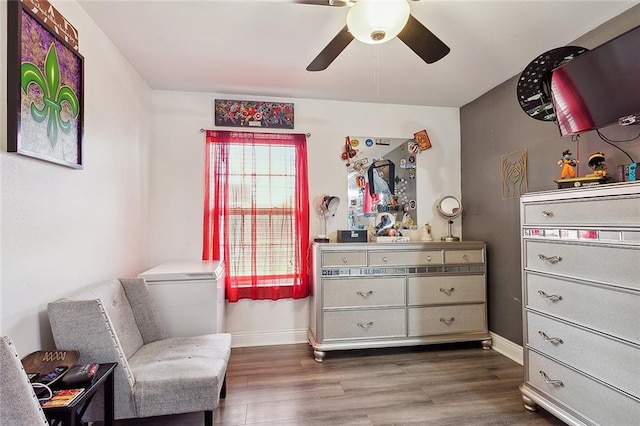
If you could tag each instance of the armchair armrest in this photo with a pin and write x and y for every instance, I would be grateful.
(18, 402)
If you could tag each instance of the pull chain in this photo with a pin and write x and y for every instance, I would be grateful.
(377, 71)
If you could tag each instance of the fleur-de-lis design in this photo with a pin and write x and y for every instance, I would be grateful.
(53, 95)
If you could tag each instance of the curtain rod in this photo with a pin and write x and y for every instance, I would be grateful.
(204, 130)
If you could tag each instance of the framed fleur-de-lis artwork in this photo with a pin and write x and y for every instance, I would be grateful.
(45, 84)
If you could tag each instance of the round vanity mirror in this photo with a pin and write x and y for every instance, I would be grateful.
(449, 208)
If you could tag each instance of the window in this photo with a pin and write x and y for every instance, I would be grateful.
(256, 213)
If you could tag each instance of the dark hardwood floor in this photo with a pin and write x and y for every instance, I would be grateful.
(459, 384)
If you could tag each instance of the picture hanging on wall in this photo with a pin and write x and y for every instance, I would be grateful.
(422, 138)
(45, 84)
(514, 174)
(261, 114)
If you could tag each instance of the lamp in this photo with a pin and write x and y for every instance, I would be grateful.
(328, 207)
(377, 21)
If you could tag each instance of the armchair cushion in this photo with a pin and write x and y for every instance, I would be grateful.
(188, 368)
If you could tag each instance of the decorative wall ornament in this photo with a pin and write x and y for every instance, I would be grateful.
(533, 85)
(261, 114)
(422, 138)
(514, 174)
(45, 76)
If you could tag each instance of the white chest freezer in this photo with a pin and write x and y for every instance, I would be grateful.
(189, 296)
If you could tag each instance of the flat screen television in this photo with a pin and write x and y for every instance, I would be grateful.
(599, 87)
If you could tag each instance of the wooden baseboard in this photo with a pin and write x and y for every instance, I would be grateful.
(268, 338)
(507, 348)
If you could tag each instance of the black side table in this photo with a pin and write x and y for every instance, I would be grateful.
(69, 415)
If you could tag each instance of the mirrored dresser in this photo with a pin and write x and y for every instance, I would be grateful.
(374, 295)
(581, 296)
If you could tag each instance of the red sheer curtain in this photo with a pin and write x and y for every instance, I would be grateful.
(256, 213)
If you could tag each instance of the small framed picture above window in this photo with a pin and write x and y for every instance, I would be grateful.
(256, 114)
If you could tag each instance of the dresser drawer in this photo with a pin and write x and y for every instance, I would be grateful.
(590, 398)
(585, 261)
(601, 211)
(612, 311)
(363, 292)
(585, 351)
(365, 324)
(446, 319)
(463, 256)
(445, 289)
(405, 258)
(344, 258)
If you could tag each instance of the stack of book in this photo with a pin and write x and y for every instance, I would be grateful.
(62, 398)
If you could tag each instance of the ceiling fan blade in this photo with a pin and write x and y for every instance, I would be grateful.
(331, 51)
(422, 41)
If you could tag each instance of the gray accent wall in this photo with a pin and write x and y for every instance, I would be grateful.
(494, 125)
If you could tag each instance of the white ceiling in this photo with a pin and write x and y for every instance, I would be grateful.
(261, 48)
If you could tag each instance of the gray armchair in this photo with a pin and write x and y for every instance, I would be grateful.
(19, 405)
(117, 321)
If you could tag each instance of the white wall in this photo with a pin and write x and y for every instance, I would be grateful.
(61, 228)
(177, 183)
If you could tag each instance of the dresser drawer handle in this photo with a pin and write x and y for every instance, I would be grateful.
(447, 291)
(552, 297)
(447, 321)
(365, 325)
(552, 259)
(547, 214)
(550, 381)
(428, 258)
(554, 340)
(364, 294)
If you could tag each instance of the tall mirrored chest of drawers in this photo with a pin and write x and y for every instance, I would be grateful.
(374, 295)
(581, 296)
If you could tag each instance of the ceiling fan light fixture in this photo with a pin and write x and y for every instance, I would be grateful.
(377, 21)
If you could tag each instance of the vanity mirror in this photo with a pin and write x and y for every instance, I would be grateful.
(381, 178)
(449, 208)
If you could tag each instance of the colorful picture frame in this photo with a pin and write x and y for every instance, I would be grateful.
(45, 90)
(260, 114)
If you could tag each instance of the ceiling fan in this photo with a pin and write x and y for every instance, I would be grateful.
(378, 21)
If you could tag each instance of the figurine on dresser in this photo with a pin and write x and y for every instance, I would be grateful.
(569, 179)
(426, 233)
(384, 224)
(568, 164)
(596, 162)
